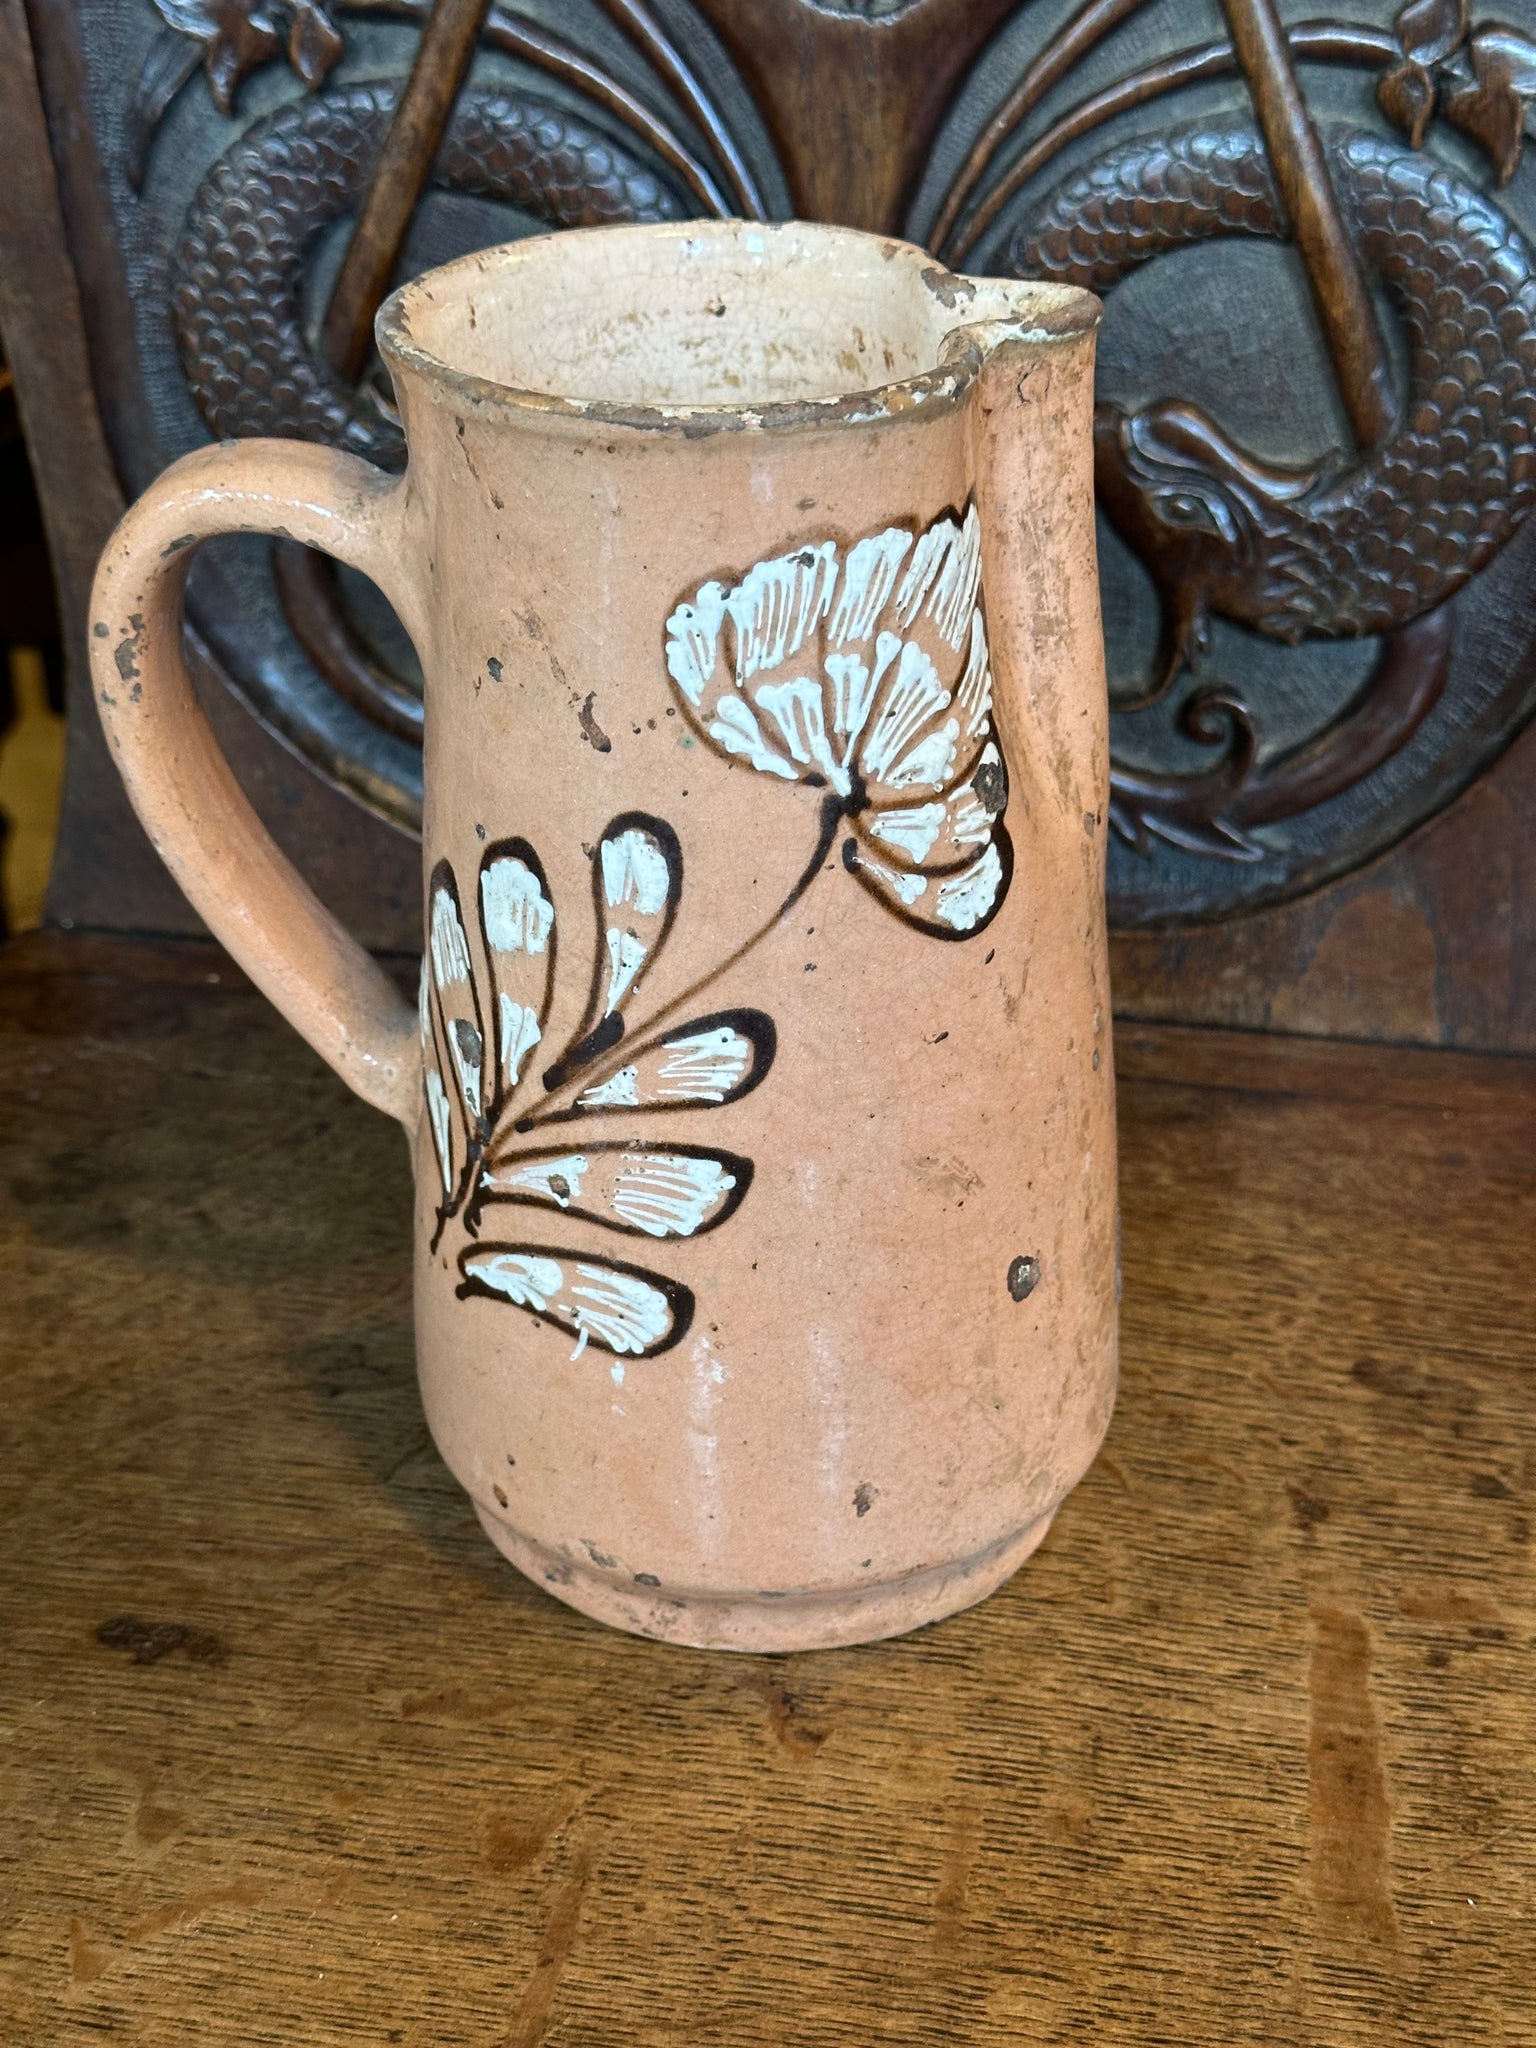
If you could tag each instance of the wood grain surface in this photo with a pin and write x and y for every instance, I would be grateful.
(287, 1755)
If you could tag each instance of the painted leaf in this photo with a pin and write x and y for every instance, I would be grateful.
(517, 923)
(700, 1065)
(461, 1029)
(615, 1307)
(639, 870)
(956, 903)
(946, 832)
(637, 878)
(646, 1190)
(439, 1113)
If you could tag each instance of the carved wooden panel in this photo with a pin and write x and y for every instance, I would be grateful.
(1317, 432)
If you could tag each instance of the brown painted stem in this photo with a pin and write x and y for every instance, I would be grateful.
(832, 815)
(405, 163)
(1300, 169)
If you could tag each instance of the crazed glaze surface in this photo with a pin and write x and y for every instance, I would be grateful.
(760, 1083)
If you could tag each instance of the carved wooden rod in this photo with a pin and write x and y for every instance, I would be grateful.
(1082, 33)
(557, 59)
(405, 163)
(669, 64)
(1324, 41)
(1300, 168)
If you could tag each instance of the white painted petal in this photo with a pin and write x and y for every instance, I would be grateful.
(468, 1049)
(912, 698)
(953, 603)
(734, 728)
(704, 1066)
(622, 1312)
(911, 831)
(796, 708)
(457, 1000)
(941, 834)
(621, 1309)
(693, 641)
(636, 871)
(617, 1092)
(965, 899)
(907, 888)
(694, 1066)
(970, 822)
(852, 694)
(973, 696)
(518, 1034)
(887, 647)
(943, 578)
(639, 877)
(517, 922)
(777, 605)
(439, 1118)
(526, 1278)
(869, 575)
(933, 545)
(898, 884)
(976, 804)
(665, 1191)
(546, 1180)
(518, 914)
(943, 900)
(424, 1008)
(931, 763)
(668, 1194)
(449, 947)
(626, 957)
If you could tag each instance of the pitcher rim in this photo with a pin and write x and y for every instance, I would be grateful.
(987, 310)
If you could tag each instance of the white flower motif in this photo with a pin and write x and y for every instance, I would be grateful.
(866, 673)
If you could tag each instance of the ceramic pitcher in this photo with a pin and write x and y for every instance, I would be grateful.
(759, 1090)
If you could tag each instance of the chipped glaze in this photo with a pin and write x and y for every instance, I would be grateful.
(765, 1247)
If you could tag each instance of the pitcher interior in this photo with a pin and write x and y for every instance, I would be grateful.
(687, 315)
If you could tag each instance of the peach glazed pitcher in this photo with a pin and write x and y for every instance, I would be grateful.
(759, 1089)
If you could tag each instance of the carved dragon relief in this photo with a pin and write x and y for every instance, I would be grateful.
(1339, 548)
(1335, 548)
(237, 303)
(1371, 542)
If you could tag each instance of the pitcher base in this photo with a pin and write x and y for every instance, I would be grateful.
(791, 1621)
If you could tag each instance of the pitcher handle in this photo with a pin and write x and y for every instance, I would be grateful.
(202, 825)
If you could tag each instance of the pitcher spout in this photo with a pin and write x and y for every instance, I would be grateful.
(1026, 350)
(991, 313)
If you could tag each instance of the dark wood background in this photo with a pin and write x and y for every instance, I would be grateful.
(1312, 238)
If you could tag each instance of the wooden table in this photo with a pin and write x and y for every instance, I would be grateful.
(287, 1755)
